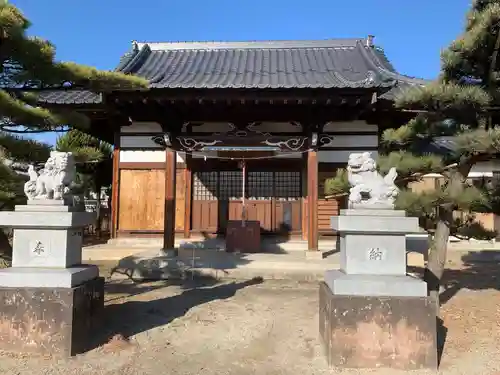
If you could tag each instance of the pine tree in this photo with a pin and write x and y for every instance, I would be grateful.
(28, 65)
(16, 154)
(460, 104)
(94, 164)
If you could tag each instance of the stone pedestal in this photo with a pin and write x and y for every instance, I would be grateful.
(372, 332)
(48, 320)
(373, 254)
(372, 314)
(50, 300)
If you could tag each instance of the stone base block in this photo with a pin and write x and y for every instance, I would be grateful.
(31, 277)
(56, 321)
(58, 248)
(46, 220)
(373, 332)
(372, 212)
(373, 254)
(386, 223)
(374, 285)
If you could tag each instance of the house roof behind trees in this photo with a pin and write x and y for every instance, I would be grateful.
(314, 64)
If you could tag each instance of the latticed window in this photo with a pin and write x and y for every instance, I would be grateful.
(287, 185)
(259, 185)
(230, 185)
(205, 186)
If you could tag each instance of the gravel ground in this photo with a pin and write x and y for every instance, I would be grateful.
(260, 328)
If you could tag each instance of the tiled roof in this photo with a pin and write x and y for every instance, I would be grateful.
(70, 97)
(334, 63)
(444, 146)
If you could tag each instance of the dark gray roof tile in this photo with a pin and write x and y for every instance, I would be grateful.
(274, 65)
(326, 64)
(70, 97)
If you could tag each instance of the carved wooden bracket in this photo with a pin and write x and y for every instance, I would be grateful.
(292, 143)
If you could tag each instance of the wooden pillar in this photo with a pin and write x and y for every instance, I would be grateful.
(188, 175)
(115, 186)
(304, 214)
(312, 200)
(169, 214)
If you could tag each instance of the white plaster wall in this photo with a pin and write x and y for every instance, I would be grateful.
(481, 169)
(484, 169)
(142, 156)
(180, 157)
(147, 156)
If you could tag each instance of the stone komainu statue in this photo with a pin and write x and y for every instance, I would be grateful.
(368, 188)
(54, 179)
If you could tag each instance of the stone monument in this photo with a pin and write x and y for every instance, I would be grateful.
(50, 301)
(372, 314)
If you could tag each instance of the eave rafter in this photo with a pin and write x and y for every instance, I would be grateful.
(180, 111)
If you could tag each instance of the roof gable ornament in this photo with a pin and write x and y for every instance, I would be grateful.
(369, 40)
(135, 46)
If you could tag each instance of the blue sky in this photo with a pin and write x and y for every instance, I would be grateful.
(98, 32)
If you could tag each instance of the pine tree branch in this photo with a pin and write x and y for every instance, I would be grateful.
(469, 55)
(446, 98)
(494, 57)
(478, 143)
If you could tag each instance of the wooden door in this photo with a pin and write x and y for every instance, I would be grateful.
(204, 207)
(142, 200)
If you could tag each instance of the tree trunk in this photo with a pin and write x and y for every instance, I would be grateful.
(437, 255)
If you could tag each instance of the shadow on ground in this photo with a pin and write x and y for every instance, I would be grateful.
(442, 333)
(480, 271)
(93, 239)
(208, 253)
(133, 317)
(117, 289)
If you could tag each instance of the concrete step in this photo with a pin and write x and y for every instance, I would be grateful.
(221, 265)
(107, 252)
(267, 245)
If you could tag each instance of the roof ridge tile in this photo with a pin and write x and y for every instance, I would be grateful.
(270, 44)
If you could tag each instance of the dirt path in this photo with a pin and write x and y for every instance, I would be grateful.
(260, 328)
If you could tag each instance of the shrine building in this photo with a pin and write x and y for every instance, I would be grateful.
(292, 110)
